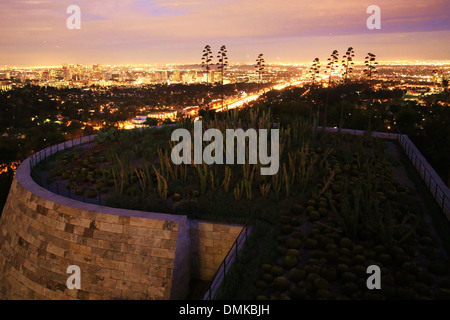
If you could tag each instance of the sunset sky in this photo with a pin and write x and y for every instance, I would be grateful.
(34, 32)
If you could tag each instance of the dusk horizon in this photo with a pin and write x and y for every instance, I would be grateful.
(167, 32)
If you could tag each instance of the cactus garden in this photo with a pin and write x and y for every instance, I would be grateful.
(333, 209)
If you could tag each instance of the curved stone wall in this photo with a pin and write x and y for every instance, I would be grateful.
(122, 254)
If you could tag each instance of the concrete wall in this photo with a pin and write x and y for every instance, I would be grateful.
(210, 243)
(122, 254)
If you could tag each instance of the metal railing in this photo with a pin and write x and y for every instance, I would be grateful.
(437, 187)
(60, 188)
(57, 187)
(231, 257)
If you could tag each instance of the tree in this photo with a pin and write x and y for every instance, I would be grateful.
(314, 71)
(222, 64)
(347, 63)
(259, 67)
(370, 65)
(207, 61)
(332, 65)
(222, 61)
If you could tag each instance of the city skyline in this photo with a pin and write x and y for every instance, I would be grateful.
(170, 32)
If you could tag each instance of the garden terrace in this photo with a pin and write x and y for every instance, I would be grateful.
(338, 204)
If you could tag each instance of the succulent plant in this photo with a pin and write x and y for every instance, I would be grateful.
(277, 270)
(293, 243)
(281, 283)
(290, 261)
(91, 193)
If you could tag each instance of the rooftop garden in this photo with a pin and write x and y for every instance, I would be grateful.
(334, 208)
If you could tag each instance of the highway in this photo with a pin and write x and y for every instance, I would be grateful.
(239, 103)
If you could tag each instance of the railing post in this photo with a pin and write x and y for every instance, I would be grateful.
(435, 191)
(224, 268)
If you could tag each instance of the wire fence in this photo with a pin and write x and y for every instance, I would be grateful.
(437, 187)
(232, 256)
(61, 188)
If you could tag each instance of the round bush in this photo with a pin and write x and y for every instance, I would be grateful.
(297, 293)
(293, 243)
(348, 277)
(281, 284)
(293, 252)
(321, 283)
(323, 212)
(311, 243)
(261, 284)
(277, 270)
(266, 267)
(267, 277)
(314, 215)
(103, 189)
(297, 209)
(91, 193)
(290, 261)
(297, 275)
(281, 250)
(345, 242)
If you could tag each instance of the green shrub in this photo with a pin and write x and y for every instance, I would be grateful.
(293, 243)
(297, 209)
(91, 193)
(266, 267)
(277, 271)
(297, 275)
(267, 277)
(345, 243)
(293, 252)
(290, 261)
(314, 216)
(311, 243)
(281, 284)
